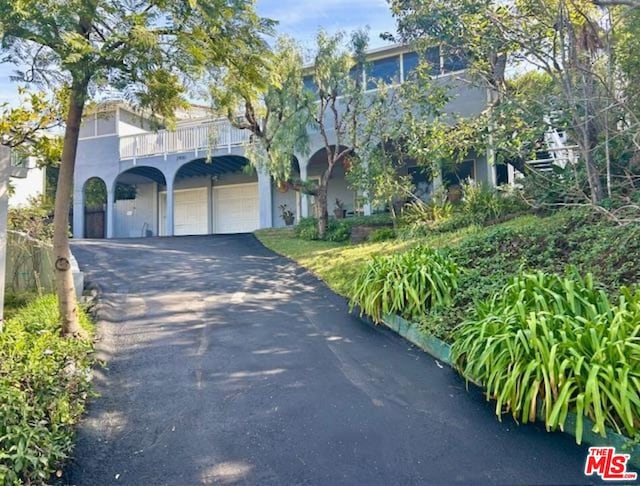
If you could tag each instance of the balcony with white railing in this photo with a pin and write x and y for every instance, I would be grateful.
(215, 135)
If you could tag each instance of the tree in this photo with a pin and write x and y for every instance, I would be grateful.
(333, 103)
(571, 41)
(151, 51)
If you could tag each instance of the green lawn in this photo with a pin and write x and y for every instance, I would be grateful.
(338, 264)
(489, 257)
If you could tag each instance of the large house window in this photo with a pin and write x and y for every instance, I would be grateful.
(411, 60)
(98, 125)
(385, 70)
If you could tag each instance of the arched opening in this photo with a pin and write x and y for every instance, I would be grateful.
(95, 203)
(286, 200)
(216, 195)
(136, 211)
(342, 199)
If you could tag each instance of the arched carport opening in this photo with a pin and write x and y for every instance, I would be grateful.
(339, 193)
(216, 195)
(286, 198)
(95, 203)
(136, 209)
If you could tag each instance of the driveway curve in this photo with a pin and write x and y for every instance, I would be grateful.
(228, 364)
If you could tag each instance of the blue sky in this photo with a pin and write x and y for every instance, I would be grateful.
(300, 19)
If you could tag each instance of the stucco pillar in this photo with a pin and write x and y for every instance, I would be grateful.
(265, 198)
(5, 172)
(111, 203)
(78, 214)
(304, 198)
(169, 209)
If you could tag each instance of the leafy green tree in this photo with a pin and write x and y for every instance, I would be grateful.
(353, 124)
(151, 51)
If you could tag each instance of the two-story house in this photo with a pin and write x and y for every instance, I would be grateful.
(196, 179)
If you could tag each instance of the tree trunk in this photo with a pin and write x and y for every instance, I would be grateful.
(322, 213)
(67, 303)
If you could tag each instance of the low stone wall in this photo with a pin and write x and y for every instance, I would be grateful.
(360, 233)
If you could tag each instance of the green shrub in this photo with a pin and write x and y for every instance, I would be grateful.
(560, 341)
(407, 283)
(482, 203)
(338, 230)
(307, 229)
(44, 382)
(382, 234)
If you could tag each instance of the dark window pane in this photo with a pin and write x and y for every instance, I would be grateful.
(356, 74)
(454, 62)
(457, 173)
(310, 84)
(412, 60)
(385, 70)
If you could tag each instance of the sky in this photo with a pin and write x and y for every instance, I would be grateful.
(299, 19)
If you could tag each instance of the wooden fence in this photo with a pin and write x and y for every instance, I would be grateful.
(29, 264)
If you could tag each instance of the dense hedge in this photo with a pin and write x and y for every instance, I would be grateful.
(44, 382)
(338, 229)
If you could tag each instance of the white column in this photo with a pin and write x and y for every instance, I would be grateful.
(5, 172)
(265, 198)
(304, 198)
(366, 207)
(169, 209)
(110, 210)
(78, 213)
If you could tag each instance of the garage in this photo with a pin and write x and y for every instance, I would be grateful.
(191, 214)
(236, 208)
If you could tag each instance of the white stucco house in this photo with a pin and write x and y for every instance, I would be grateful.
(194, 180)
(29, 183)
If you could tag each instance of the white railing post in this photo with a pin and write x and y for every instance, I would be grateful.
(135, 149)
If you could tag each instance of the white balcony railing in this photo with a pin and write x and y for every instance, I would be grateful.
(199, 138)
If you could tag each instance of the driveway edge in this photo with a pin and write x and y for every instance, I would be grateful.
(441, 351)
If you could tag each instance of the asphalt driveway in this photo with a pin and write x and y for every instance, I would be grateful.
(227, 364)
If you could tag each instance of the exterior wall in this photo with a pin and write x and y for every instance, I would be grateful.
(134, 216)
(278, 198)
(27, 188)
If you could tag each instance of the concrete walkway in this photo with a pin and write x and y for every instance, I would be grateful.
(227, 364)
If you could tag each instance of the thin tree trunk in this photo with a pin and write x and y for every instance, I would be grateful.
(322, 212)
(67, 302)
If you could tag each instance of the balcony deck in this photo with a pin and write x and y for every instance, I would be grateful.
(214, 135)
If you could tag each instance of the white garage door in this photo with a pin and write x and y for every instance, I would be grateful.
(191, 213)
(236, 208)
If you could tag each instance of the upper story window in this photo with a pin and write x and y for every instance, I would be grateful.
(385, 70)
(309, 83)
(399, 68)
(98, 125)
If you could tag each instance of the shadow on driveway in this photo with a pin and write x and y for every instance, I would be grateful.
(227, 364)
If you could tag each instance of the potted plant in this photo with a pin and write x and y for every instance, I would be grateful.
(287, 215)
(339, 210)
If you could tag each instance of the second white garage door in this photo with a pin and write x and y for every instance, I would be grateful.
(236, 208)
(191, 216)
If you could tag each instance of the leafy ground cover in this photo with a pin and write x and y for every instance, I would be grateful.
(488, 256)
(44, 383)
